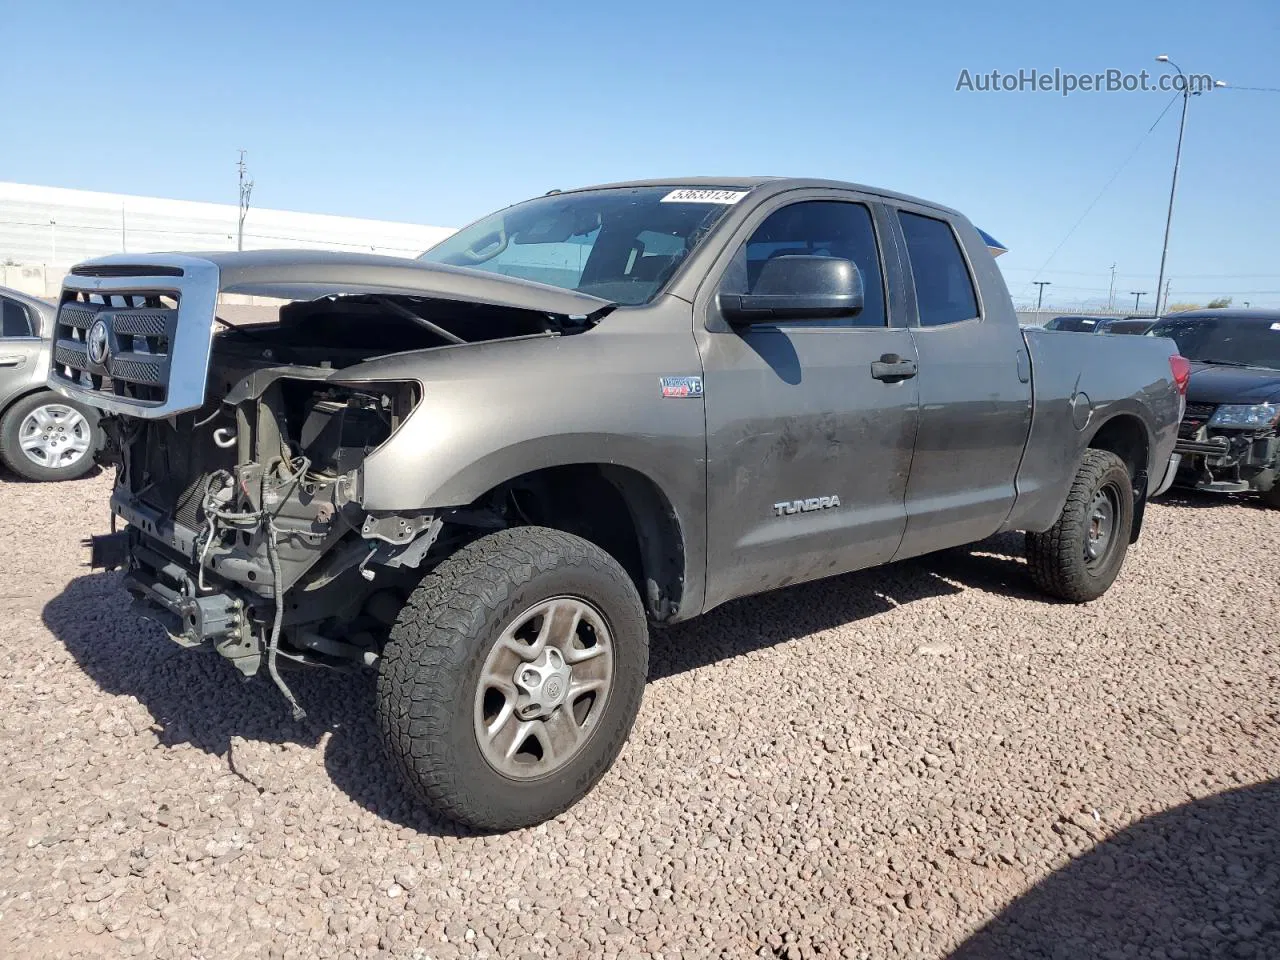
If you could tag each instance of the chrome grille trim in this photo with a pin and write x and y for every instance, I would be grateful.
(155, 379)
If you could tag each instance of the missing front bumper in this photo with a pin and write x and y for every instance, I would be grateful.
(165, 594)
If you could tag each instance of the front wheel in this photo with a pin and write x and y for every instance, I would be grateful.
(512, 677)
(1079, 557)
(48, 437)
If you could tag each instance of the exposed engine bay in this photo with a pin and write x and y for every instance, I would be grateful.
(246, 532)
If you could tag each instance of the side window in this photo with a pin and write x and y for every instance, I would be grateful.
(14, 320)
(944, 289)
(824, 228)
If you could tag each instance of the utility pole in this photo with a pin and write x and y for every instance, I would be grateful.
(1177, 159)
(246, 188)
(1041, 284)
(53, 242)
(1167, 285)
(1111, 291)
(1137, 297)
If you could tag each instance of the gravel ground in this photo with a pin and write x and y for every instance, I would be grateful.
(920, 761)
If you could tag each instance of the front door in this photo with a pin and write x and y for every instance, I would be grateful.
(808, 453)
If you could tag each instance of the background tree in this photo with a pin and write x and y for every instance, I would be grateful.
(1219, 302)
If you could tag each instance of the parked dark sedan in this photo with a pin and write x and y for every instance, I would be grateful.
(1077, 324)
(1229, 440)
(1085, 324)
(1132, 326)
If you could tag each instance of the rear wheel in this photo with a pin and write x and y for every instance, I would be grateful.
(1079, 557)
(47, 437)
(512, 677)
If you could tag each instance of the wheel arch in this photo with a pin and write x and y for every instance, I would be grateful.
(33, 389)
(1126, 435)
(620, 509)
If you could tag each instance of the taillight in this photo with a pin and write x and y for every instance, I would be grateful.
(1180, 367)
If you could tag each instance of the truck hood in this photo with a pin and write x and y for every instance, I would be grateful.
(311, 274)
(1214, 383)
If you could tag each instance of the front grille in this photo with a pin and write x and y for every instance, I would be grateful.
(140, 332)
(1195, 417)
(135, 371)
(143, 323)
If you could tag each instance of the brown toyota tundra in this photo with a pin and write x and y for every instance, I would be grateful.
(484, 473)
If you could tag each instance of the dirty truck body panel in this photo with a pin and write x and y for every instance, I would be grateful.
(748, 455)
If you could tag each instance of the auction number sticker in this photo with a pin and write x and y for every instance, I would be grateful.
(686, 195)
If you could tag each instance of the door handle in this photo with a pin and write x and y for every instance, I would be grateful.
(891, 368)
(12, 360)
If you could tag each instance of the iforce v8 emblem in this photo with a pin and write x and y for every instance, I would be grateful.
(789, 507)
(679, 387)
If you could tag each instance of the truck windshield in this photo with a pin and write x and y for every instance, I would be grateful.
(1232, 341)
(620, 244)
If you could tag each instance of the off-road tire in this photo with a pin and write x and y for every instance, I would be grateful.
(431, 666)
(1057, 557)
(11, 454)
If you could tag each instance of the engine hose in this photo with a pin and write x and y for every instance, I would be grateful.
(273, 645)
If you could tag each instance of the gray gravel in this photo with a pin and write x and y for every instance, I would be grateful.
(878, 765)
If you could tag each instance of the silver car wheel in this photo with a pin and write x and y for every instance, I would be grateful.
(55, 435)
(544, 688)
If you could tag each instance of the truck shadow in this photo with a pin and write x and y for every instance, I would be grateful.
(1200, 500)
(744, 626)
(200, 699)
(1200, 880)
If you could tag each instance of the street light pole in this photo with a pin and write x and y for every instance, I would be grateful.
(1177, 161)
(1041, 284)
(1137, 298)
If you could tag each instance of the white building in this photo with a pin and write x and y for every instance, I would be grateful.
(44, 230)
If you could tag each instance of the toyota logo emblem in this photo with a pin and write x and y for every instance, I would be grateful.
(96, 343)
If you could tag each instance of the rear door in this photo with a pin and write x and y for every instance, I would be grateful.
(974, 384)
(808, 453)
(19, 346)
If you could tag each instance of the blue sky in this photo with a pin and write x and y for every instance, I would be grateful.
(438, 113)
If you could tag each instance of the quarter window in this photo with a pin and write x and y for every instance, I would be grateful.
(14, 319)
(944, 289)
(824, 228)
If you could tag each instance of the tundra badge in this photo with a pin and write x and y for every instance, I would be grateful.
(789, 507)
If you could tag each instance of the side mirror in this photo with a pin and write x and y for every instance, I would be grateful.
(797, 287)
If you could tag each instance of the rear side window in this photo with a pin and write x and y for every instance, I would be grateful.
(944, 289)
(14, 319)
(823, 228)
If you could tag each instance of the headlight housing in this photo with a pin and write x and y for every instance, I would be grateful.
(1246, 415)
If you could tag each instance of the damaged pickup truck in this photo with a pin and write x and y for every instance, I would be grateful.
(483, 474)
